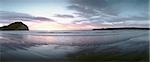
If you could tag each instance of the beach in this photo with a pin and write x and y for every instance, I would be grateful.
(75, 46)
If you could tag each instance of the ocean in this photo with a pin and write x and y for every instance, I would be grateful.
(75, 46)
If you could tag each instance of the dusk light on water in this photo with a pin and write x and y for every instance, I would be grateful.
(74, 30)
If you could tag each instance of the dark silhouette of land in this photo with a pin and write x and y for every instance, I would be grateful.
(15, 26)
(123, 28)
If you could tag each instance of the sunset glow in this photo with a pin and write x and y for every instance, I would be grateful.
(47, 26)
(75, 14)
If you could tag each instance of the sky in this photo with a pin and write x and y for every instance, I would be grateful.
(75, 14)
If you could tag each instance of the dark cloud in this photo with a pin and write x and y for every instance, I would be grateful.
(96, 4)
(64, 16)
(99, 11)
(43, 19)
(83, 11)
(91, 7)
(6, 16)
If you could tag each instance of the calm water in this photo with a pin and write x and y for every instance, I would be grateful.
(75, 46)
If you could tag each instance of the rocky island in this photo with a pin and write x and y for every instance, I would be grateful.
(15, 26)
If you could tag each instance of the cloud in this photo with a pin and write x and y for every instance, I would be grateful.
(6, 16)
(64, 16)
(100, 11)
(43, 19)
(91, 7)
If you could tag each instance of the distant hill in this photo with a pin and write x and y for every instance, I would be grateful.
(15, 26)
(123, 28)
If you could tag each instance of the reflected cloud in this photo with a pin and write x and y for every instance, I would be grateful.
(106, 46)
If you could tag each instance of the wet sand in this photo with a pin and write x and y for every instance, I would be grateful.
(75, 46)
